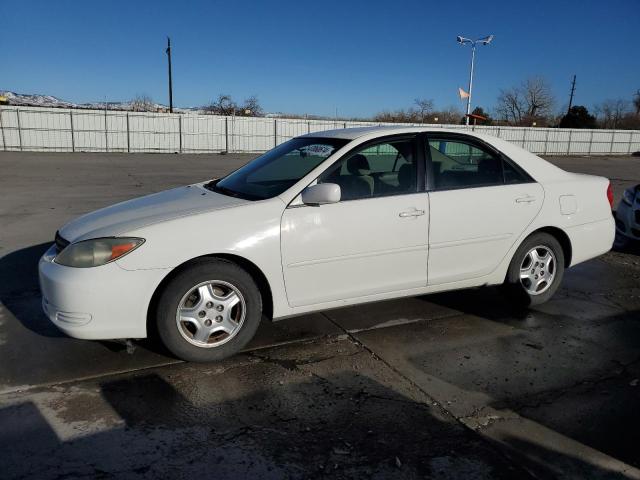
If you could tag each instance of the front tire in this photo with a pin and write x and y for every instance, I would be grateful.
(536, 270)
(209, 311)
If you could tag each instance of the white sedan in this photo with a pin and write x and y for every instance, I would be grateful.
(322, 221)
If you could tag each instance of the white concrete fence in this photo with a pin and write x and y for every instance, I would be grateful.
(66, 130)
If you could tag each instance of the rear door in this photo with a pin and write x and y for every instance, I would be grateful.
(480, 203)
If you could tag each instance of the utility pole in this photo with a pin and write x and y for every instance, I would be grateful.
(573, 89)
(168, 52)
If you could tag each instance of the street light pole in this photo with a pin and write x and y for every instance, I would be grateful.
(473, 58)
(464, 41)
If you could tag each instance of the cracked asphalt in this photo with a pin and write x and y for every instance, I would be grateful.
(453, 385)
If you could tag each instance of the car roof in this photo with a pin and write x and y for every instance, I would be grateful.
(539, 169)
(380, 130)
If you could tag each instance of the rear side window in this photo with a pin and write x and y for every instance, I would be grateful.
(460, 164)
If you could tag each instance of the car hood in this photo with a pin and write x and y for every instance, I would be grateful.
(147, 210)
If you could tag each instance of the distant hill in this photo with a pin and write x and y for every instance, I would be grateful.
(49, 101)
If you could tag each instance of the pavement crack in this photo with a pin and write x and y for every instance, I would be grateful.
(293, 365)
(375, 356)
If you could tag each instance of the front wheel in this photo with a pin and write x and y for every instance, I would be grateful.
(209, 311)
(536, 270)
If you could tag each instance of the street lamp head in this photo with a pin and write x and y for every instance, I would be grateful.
(463, 40)
(485, 40)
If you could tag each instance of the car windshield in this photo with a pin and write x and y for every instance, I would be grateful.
(273, 172)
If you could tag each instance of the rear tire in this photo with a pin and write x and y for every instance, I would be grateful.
(209, 311)
(536, 270)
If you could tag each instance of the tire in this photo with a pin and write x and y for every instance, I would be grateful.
(521, 290)
(209, 311)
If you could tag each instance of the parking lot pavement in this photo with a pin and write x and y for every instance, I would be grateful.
(378, 390)
(322, 410)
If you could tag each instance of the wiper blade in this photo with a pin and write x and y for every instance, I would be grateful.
(213, 186)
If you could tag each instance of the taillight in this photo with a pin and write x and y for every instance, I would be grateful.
(610, 195)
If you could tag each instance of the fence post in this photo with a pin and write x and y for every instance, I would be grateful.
(569, 142)
(19, 128)
(344, 125)
(590, 142)
(628, 149)
(4, 142)
(73, 142)
(613, 136)
(180, 133)
(128, 135)
(524, 137)
(309, 128)
(546, 142)
(226, 134)
(106, 136)
(275, 133)
(499, 130)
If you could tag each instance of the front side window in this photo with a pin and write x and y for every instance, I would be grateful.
(278, 169)
(460, 164)
(381, 169)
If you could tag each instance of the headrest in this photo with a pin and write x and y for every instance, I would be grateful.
(489, 165)
(405, 176)
(358, 165)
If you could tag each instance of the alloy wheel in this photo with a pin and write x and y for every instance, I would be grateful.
(537, 270)
(211, 313)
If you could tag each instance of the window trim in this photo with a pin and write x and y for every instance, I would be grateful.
(418, 153)
(474, 142)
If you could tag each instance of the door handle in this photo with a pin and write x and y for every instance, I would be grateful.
(412, 213)
(526, 199)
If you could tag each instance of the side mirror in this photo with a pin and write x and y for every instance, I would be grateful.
(321, 194)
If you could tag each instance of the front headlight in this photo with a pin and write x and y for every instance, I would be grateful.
(628, 197)
(96, 252)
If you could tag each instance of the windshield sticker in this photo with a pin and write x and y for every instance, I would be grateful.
(318, 150)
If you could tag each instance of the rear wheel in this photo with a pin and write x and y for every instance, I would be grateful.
(209, 311)
(536, 270)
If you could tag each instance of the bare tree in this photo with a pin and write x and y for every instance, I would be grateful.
(451, 115)
(142, 103)
(538, 97)
(398, 116)
(530, 101)
(223, 105)
(511, 106)
(251, 107)
(226, 105)
(636, 101)
(424, 107)
(610, 112)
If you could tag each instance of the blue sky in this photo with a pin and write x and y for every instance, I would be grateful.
(312, 57)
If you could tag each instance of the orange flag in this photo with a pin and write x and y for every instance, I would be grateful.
(462, 93)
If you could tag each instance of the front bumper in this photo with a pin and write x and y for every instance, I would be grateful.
(98, 303)
(628, 220)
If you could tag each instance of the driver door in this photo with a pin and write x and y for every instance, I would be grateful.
(373, 241)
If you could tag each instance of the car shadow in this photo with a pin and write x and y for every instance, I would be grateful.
(20, 290)
(20, 294)
(493, 303)
(625, 245)
(340, 425)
